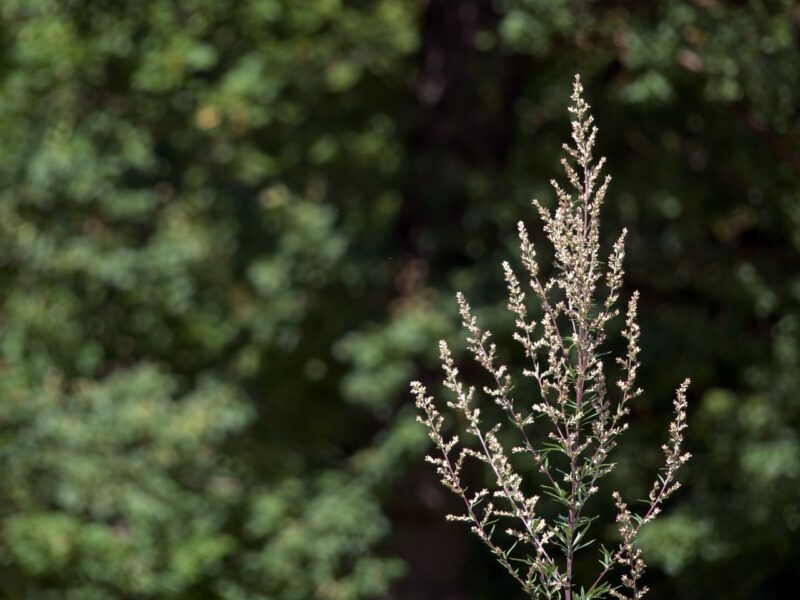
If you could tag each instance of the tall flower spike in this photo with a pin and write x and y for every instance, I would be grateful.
(570, 430)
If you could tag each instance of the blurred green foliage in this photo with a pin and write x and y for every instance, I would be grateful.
(167, 240)
(229, 233)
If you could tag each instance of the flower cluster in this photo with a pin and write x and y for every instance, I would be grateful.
(581, 421)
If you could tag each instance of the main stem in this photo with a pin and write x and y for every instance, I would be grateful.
(579, 391)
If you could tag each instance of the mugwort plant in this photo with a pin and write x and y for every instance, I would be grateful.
(570, 428)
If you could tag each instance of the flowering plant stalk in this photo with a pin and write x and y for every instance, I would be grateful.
(583, 423)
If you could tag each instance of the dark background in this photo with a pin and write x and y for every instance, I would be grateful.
(230, 234)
